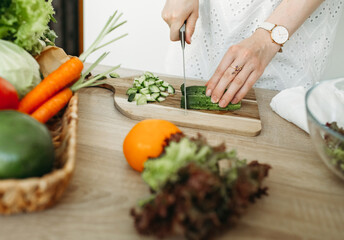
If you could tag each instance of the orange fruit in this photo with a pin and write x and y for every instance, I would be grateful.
(146, 140)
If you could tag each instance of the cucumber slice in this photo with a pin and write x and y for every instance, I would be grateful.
(159, 82)
(170, 89)
(151, 81)
(131, 90)
(131, 97)
(150, 98)
(137, 96)
(164, 94)
(144, 91)
(141, 79)
(149, 74)
(114, 75)
(165, 84)
(142, 100)
(162, 89)
(160, 99)
(154, 89)
(155, 95)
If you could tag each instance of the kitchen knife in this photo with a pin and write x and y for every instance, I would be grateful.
(182, 40)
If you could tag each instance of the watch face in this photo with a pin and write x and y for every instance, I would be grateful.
(280, 34)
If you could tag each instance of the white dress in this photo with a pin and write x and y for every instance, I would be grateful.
(223, 23)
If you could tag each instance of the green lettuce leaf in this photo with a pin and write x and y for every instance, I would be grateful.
(26, 23)
(178, 154)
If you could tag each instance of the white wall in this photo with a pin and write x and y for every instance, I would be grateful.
(146, 46)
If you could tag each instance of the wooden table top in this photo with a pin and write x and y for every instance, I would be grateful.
(306, 201)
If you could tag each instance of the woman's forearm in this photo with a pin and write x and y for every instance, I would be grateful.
(293, 13)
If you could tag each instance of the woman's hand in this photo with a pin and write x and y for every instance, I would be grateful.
(241, 67)
(176, 12)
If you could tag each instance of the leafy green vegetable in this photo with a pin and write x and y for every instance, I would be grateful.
(26, 23)
(177, 154)
(18, 67)
(199, 189)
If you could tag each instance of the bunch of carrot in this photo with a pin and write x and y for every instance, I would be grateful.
(55, 91)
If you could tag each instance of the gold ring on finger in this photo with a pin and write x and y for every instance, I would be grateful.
(237, 69)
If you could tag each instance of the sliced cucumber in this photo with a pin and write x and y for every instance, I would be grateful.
(162, 89)
(131, 90)
(165, 84)
(170, 89)
(142, 100)
(149, 88)
(155, 95)
(131, 97)
(150, 98)
(164, 94)
(114, 75)
(137, 96)
(144, 91)
(160, 99)
(154, 89)
(159, 82)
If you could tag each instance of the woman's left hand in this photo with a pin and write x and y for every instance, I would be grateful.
(241, 67)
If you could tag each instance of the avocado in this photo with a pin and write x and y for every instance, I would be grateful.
(26, 147)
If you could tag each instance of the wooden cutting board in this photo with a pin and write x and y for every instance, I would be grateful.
(245, 121)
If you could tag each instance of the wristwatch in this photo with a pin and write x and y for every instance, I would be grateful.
(279, 34)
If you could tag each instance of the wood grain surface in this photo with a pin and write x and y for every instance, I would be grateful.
(306, 201)
(244, 121)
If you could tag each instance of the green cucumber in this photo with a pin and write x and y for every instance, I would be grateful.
(149, 88)
(131, 90)
(202, 102)
(171, 89)
(164, 94)
(131, 97)
(154, 89)
(142, 100)
(155, 95)
(114, 75)
(144, 91)
(160, 99)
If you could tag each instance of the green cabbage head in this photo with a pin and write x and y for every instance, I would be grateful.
(18, 67)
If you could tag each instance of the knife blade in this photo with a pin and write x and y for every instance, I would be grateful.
(182, 41)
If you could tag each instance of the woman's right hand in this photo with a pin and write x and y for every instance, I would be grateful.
(176, 12)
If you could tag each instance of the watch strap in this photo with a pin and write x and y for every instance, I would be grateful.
(267, 26)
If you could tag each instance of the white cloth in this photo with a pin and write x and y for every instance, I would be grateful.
(223, 23)
(325, 103)
(290, 105)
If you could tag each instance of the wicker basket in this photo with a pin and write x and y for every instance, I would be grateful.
(34, 194)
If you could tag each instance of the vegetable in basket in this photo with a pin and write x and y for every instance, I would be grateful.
(18, 67)
(26, 147)
(8, 95)
(25, 23)
(55, 91)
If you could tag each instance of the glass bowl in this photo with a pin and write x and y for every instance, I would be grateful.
(325, 107)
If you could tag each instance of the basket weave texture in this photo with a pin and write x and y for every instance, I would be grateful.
(35, 194)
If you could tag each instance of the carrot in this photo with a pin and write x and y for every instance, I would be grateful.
(54, 82)
(48, 98)
(51, 107)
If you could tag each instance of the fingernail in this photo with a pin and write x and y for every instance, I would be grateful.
(214, 99)
(208, 93)
(222, 103)
(234, 101)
